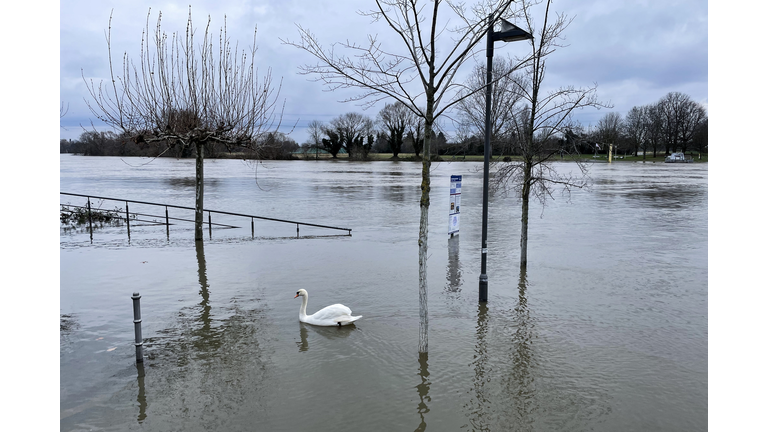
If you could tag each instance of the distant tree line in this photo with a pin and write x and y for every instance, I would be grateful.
(274, 145)
(674, 123)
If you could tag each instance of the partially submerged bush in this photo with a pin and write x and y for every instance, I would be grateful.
(76, 216)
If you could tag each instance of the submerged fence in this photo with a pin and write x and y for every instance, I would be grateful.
(135, 216)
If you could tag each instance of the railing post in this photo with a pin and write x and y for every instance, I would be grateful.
(252, 231)
(210, 232)
(167, 224)
(297, 230)
(127, 218)
(137, 327)
(90, 223)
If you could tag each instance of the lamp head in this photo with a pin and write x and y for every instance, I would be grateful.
(510, 32)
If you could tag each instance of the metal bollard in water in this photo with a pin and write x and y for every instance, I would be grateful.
(137, 327)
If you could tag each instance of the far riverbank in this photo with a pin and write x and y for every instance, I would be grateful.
(411, 157)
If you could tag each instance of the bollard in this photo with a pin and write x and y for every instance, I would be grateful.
(137, 327)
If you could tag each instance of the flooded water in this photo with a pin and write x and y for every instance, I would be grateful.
(605, 331)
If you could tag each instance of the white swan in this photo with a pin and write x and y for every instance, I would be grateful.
(333, 315)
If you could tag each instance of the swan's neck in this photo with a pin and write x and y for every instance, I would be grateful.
(303, 310)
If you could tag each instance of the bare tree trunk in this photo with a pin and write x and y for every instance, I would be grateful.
(423, 234)
(199, 191)
(526, 193)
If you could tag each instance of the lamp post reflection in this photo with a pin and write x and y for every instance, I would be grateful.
(479, 405)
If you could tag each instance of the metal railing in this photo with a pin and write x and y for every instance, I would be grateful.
(168, 219)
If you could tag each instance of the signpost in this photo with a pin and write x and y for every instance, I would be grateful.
(453, 213)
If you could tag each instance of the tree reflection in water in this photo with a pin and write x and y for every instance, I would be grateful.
(423, 390)
(520, 386)
(509, 361)
(204, 366)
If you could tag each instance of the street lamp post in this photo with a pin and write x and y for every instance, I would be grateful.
(509, 33)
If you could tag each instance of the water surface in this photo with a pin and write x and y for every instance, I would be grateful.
(606, 330)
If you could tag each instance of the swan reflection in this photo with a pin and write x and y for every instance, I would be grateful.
(304, 344)
(326, 332)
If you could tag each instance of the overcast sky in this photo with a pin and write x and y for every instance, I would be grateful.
(636, 51)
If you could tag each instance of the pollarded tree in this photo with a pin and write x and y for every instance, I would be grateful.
(416, 136)
(188, 95)
(434, 43)
(353, 130)
(333, 144)
(395, 118)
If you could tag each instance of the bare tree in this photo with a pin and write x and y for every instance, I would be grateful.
(655, 127)
(635, 128)
(315, 130)
(314, 142)
(670, 108)
(680, 117)
(505, 95)
(395, 118)
(542, 120)
(609, 129)
(434, 43)
(187, 95)
(701, 137)
(692, 116)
